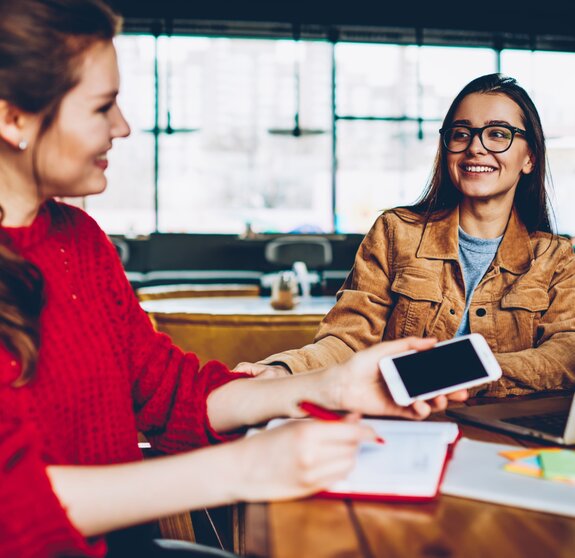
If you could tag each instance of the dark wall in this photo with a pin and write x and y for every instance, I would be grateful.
(551, 16)
(220, 252)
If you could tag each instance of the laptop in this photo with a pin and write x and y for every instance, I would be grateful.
(551, 419)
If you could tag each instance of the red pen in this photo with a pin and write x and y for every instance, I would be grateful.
(321, 413)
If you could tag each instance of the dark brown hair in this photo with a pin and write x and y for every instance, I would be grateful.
(41, 45)
(441, 196)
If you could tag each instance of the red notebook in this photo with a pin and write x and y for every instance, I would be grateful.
(409, 467)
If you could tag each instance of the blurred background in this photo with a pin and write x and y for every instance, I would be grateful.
(252, 119)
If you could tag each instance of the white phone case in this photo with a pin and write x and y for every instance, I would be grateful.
(399, 391)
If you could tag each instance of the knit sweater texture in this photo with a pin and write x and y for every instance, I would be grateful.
(103, 375)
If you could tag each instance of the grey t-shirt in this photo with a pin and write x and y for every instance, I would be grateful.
(475, 256)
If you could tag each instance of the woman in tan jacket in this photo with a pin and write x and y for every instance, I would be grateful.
(475, 254)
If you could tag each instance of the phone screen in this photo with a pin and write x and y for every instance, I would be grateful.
(441, 367)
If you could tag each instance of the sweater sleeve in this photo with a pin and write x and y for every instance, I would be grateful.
(170, 391)
(169, 388)
(32, 520)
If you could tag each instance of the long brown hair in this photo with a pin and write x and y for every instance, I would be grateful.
(531, 200)
(41, 45)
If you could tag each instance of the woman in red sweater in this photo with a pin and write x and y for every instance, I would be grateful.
(81, 368)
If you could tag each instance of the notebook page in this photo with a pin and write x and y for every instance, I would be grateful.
(410, 462)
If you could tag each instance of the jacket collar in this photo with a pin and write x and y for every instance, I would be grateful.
(515, 252)
(440, 241)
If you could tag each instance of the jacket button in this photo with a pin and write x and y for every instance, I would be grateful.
(480, 312)
(452, 312)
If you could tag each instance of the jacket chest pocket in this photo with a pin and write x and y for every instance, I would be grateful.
(521, 311)
(418, 302)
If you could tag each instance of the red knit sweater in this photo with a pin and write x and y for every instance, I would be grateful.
(103, 375)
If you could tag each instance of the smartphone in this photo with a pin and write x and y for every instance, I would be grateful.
(459, 363)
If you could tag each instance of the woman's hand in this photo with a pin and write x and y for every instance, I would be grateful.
(299, 458)
(262, 371)
(359, 386)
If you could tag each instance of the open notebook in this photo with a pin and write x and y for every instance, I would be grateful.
(409, 466)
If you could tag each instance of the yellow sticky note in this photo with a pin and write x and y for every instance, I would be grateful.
(527, 466)
(521, 453)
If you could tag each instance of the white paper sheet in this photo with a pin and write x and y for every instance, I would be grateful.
(476, 472)
(408, 464)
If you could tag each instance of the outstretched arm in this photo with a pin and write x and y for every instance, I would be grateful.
(355, 385)
(291, 461)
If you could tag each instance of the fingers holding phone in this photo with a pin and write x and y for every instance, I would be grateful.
(359, 383)
(447, 369)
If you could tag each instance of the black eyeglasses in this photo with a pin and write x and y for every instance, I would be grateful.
(496, 138)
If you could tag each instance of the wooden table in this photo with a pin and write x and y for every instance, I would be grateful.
(447, 528)
(186, 290)
(236, 329)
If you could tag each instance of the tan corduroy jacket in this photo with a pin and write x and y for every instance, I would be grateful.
(406, 280)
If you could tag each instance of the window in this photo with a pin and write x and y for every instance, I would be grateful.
(229, 152)
(391, 100)
(300, 136)
(538, 72)
(127, 205)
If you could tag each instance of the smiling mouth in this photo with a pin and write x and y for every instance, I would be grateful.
(101, 162)
(478, 168)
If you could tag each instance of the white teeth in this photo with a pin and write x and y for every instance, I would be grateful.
(102, 157)
(478, 168)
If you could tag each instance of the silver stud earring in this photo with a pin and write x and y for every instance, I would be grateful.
(22, 145)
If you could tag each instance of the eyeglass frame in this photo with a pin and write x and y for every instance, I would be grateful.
(479, 131)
